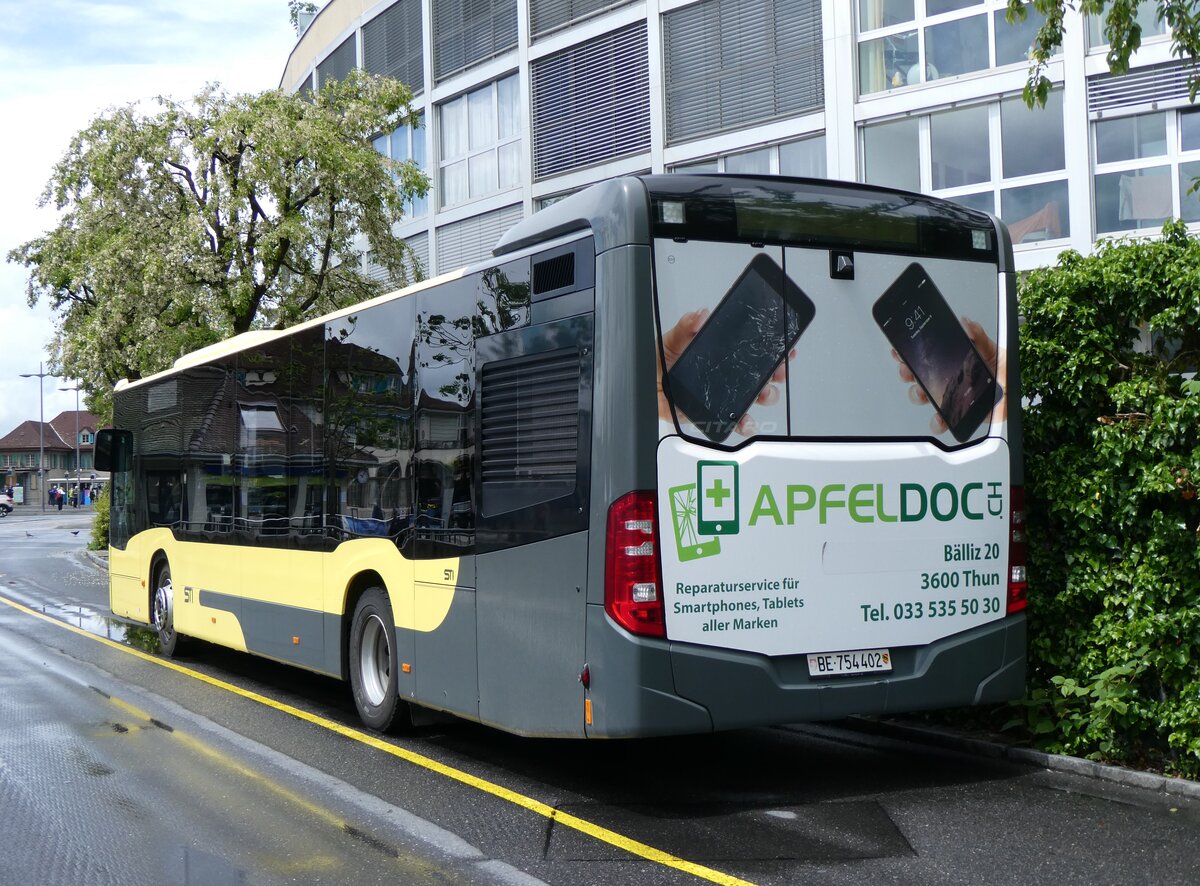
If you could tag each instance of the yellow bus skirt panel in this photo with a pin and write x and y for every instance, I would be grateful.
(311, 580)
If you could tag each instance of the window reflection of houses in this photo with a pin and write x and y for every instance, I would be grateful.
(368, 433)
(363, 425)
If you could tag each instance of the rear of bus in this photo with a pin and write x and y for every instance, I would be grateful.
(807, 462)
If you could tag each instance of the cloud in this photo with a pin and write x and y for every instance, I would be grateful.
(67, 61)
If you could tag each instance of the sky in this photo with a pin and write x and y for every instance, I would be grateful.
(65, 63)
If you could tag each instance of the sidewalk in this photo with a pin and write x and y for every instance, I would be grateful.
(32, 513)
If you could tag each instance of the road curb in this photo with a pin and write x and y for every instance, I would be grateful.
(1135, 778)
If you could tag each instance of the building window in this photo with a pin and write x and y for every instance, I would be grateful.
(466, 32)
(1144, 167)
(85, 437)
(892, 154)
(731, 63)
(1146, 17)
(337, 64)
(480, 142)
(803, 158)
(404, 144)
(999, 157)
(908, 42)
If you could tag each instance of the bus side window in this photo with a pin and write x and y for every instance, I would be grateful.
(445, 423)
(164, 498)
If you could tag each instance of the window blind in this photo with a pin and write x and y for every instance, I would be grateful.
(591, 103)
(470, 240)
(469, 31)
(547, 16)
(337, 64)
(729, 63)
(392, 45)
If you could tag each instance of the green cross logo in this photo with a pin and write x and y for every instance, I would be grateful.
(718, 506)
(718, 493)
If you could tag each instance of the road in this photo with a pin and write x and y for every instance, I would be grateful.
(119, 766)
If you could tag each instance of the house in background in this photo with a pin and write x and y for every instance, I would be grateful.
(59, 444)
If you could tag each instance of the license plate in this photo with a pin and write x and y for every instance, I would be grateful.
(860, 661)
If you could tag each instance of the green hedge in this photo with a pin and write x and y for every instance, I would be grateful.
(99, 540)
(1112, 455)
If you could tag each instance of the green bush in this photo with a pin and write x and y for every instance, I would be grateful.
(1112, 461)
(99, 541)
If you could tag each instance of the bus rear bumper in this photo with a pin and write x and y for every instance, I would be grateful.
(739, 689)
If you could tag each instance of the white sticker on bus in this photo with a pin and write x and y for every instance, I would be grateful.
(789, 548)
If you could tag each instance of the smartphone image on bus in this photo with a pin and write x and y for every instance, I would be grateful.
(749, 333)
(929, 338)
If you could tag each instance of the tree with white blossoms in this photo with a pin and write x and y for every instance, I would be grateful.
(207, 218)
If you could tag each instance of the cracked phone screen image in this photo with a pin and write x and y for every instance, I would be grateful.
(747, 336)
(929, 338)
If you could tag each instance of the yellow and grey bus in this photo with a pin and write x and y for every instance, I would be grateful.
(690, 453)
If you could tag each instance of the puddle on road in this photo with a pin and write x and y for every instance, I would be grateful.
(137, 636)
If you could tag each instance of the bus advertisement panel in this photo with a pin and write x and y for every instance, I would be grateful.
(833, 468)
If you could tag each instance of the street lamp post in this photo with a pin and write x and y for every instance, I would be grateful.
(39, 375)
(78, 483)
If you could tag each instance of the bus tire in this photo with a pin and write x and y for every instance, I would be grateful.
(373, 664)
(162, 611)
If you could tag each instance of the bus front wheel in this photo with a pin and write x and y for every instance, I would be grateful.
(162, 611)
(373, 664)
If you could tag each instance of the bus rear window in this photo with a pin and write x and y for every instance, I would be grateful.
(769, 342)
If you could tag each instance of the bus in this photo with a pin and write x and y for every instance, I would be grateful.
(689, 453)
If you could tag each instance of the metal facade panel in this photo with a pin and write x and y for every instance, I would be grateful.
(471, 240)
(591, 103)
(420, 247)
(1159, 83)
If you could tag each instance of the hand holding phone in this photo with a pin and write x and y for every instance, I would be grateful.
(954, 366)
(988, 350)
(719, 364)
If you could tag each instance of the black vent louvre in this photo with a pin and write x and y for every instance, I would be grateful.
(554, 273)
(530, 418)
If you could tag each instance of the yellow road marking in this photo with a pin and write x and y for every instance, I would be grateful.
(603, 834)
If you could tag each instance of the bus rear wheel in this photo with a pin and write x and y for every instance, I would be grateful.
(162, 611)
(373, 664)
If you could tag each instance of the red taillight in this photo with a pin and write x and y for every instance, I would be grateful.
(632, 581)
(1017, 587)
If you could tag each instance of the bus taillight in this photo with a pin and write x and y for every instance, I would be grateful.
(632, 580)
(1017, 587)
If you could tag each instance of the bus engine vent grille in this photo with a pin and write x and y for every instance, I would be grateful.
(554, 273)
(530, 419)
